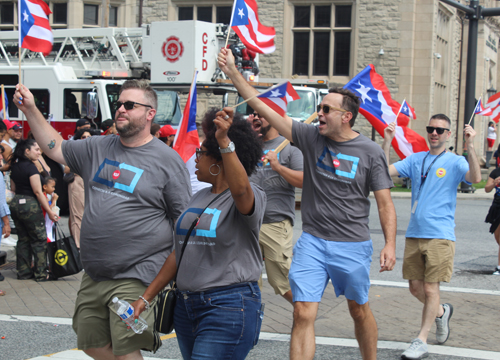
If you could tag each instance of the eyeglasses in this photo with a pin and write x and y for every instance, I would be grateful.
(326, 109)
(439, 130)
(128, 105)
(255, 115)
(200, 153)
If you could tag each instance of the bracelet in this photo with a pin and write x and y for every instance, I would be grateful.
(145, 302)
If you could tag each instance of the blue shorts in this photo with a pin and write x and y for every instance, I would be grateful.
(316, 260)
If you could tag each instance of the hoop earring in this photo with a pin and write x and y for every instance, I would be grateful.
(210, 169)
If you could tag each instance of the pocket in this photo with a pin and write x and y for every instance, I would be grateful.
(260, 317)
(254, 314)
(229, 302)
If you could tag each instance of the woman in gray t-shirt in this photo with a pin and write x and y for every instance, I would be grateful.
(218, 312)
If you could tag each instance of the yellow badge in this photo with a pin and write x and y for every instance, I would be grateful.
(61, 257)
(440, 172)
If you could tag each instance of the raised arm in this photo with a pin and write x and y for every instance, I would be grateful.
(46, 136)
(226, 63)
(389, 133)
(474, 173)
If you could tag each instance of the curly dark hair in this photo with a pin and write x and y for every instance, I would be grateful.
(20, 150)
(248, 145)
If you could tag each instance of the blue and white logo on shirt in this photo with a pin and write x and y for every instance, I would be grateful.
(211, 232)
(346, 162)
(115, 179)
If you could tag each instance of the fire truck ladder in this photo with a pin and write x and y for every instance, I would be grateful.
(99, 52)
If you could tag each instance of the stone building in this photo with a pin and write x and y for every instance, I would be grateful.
(418, 46)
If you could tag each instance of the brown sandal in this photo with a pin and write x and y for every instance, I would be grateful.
(2, 293)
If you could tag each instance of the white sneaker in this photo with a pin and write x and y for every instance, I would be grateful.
(497, 271)
(443, 324)
(417, 350)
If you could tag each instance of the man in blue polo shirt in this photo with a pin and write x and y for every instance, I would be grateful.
(430, 238)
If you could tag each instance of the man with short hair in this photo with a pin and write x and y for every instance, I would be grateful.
(108, 127)
(135, 188)
(14, 133)
(430, 238)
(82, 124)
(279, 178)
(341, 167)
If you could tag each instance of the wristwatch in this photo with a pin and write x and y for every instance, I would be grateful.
(230, 148)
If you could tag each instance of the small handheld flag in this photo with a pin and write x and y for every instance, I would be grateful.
(35, 33)
(278, 97)
(407, 110)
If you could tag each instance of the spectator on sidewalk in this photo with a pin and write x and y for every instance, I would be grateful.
(430, 238)
(26, 210)
(341, 167)
(279, 178)
(4, 215)
(135, 188)
(493, 216)
(108, 127)
(167, 135)
(491, 138)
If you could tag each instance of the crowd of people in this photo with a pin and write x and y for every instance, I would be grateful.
(140, 226)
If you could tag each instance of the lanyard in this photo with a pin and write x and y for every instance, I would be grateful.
(424, 177)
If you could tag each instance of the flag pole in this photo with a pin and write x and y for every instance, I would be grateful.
(281, 146)
(247, 100)
(399, 111)
(3, 101)
(473, 112)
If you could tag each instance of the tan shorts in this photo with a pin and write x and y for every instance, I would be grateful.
(97, 325)
(430, 260)
(275, 241)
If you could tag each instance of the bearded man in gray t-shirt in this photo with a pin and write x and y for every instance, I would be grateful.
(279, 177)
(341, 167)
(135, 188)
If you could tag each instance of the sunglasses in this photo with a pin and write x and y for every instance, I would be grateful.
(200, 153)
(128, 105)
(439, 130)
(255, 115)
(326, 109)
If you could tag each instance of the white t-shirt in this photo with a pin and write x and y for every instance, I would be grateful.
(492, 134)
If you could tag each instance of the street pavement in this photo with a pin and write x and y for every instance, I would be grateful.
(48, 307)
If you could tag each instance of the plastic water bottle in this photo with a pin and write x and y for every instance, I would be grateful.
(126, 312)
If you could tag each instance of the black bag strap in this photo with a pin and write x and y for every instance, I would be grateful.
(59, 231)
(191, 228)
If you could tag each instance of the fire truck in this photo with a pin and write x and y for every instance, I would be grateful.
(83, 74)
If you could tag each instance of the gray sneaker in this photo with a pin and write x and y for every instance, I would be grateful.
(443, 324)
(417, 350)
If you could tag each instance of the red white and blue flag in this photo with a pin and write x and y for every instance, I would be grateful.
(480, 110)
(407, 110)
(494, 104)
(4, 105)
(278, 97)
(186, 139)
(35, 33)
(245, 22)
(378, 107)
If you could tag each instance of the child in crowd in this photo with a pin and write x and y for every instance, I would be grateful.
(49, 187)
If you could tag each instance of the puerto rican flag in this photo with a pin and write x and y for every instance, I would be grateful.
(245, 22)
(494, 104)
(378, 107)
(4, 105)
(35, 33)
(480, 110)
(407, 110)
(278, 97)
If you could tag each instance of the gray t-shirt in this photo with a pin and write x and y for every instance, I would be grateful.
(132, 198)
(280, 194)
(338, 177)
(224, 248)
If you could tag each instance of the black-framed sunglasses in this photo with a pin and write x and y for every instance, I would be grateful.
(326, 108)
(439, 130)
(200, 153)
(255, 115)
(128, 105)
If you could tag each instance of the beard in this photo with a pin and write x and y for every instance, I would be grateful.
(131, 129)
(265, 130)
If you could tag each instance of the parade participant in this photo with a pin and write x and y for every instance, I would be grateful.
(341, 167)
(430, 238)
(27, 214)
(134, 190)
(167, 135)
(218, 310)
(493, 216)
(278, 178)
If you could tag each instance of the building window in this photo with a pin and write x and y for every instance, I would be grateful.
(205, 13)
(90, 14)
(7, 13)
(113, 16)
(60, 13)
(322, 40)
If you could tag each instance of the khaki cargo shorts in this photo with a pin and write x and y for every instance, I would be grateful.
(275, 242)
(97, 325)
(430, 260)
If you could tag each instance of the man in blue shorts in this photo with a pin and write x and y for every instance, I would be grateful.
(430, 238)
(341, 167)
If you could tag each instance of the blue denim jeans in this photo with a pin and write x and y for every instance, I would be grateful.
(222, 323)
